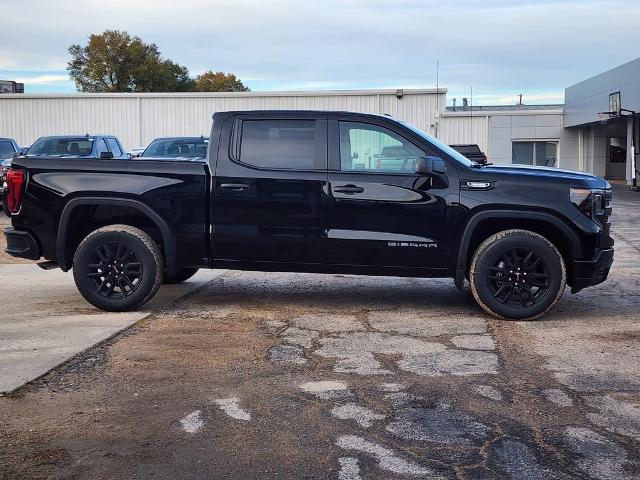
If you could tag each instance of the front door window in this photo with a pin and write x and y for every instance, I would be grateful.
(365, 147)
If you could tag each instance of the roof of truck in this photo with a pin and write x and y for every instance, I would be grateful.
(301, 112)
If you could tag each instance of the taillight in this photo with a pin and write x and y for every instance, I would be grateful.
(15, 187)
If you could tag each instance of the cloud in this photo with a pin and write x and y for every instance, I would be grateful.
(496, 46)
(43, 79)
(533, 98)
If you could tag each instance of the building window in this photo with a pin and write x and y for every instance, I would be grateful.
(543, 154)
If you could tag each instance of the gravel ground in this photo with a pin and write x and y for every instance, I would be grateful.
(307, 376)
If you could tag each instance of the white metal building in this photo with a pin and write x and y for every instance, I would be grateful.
(571, 136)
(139, 118)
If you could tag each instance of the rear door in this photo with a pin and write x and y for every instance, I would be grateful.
(270, 189)
(383, 214)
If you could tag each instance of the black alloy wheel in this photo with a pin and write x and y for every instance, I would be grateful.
(118, 268)
(517, 275)
(520, 277)
(116, 271)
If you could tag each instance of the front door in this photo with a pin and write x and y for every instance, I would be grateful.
(269, 192)
(382, 214)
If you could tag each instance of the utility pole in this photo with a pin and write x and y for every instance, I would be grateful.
(634, 171)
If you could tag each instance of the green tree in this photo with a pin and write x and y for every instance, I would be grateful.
(114, 61)
(219, 82)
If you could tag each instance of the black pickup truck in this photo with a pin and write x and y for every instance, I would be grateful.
(305, 191)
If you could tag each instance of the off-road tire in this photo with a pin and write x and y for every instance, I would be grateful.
(142, 248)
(180, 276)
(487, 261)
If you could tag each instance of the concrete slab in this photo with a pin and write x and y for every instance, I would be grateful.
(44, 321)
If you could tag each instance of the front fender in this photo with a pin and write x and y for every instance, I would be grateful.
(476, 219)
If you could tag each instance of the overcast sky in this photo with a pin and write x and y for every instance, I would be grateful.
(498, 47)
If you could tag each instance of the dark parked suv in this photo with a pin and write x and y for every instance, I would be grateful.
(304, 191)
(179, 148)
(85, 146)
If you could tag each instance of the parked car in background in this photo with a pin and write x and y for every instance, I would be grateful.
(178, 148)
(472, 152)
(74, 146)
(282, 191)
(8, 149)
(135, 152)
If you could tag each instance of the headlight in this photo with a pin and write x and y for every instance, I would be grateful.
(591, 202)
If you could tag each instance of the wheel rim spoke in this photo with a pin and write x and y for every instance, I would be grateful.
(115, 271)
(519, 278)
(133, 269)
(506, 287)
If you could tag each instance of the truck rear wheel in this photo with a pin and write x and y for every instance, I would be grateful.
(118, 268)
(180, 276)
(517, 275)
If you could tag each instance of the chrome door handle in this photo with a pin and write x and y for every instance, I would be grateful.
(349, 189)
(236, 187)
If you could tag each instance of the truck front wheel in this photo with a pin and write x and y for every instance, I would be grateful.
(517, 275)
(118, 268)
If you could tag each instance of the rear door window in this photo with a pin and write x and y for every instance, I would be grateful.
(280, 144)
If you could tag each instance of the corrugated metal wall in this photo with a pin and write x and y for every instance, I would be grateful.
(139, 118)
(461, 130)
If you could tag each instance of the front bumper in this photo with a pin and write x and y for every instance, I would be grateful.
(587, 273)
(21, 244)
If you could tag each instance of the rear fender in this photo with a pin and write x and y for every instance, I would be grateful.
(168, 239)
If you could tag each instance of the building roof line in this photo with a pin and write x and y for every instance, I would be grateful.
(279, 93)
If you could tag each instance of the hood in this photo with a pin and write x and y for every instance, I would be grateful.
(529, 172)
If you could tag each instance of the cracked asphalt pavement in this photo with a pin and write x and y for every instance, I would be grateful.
(263, 375)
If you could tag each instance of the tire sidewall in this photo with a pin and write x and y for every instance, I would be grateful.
(150, 270)
(487, 255)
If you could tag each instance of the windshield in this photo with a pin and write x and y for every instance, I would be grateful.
(177, 148)
(51, 146)
(6, 149)
(442, 146)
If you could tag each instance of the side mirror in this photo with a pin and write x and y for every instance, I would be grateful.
(106, 155)
(18, 153)
(429, 166)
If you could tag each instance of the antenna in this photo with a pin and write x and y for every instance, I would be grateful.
(437, 97)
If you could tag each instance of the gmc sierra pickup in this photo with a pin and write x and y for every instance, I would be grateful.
(314, 192)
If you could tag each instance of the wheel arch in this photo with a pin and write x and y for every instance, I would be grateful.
(166, 233)
(483, 224)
